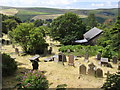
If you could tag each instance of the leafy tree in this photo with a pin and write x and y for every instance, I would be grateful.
(116, 35)
(91, 20)
(8, 25)
(38, 23)
(112, 82)
(30, 38)
(67, 28)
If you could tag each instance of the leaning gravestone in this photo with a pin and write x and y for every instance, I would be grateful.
(91, 70)
(71, 60)
(99, 56)
(99, 72)
(82, 69)
(114, 60)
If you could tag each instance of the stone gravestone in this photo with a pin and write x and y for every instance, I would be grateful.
(91, 70)
(68, 50)
(118, 67)
(86, 57)
(114, 60)
(99, 72)
(50, 50)
(99, 56)
(82, 69)
(60, 57)
(17, 51)
(71, 60)
(104, 61)
(64, 58)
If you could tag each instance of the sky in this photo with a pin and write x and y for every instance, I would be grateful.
(62, 4)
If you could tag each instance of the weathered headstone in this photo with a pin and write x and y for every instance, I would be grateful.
(71, 60)
(64, 58)
(68, 50)
(104, 61)
(99, 56)
(91, 70)
(34, 61)
(99, 72)
(50, 50)
(86, 58)
(82, 69)
(17, 51)
(60, 57)
(13, 46)
(114, 60)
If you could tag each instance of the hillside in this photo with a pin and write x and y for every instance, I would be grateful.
(50, 13)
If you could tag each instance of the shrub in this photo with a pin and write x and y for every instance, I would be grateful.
(112, 82)
(80, 49)
(33, 79)
(9, 65)
(108, 52)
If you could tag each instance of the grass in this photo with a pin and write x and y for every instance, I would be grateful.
(9, 11)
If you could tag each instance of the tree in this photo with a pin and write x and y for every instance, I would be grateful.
(91, 20)
(30, 38)
(38, 23)
(67, 28)
(116, 35)
(112, 82)
(8, 25)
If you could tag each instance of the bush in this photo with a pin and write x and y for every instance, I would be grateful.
(80, 49)
(9, 65)
(33, 79)
(108, 52)
(112, 82)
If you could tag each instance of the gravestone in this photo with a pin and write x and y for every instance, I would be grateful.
(71, 60)
(99, 56)
(86, 58)
(13, 46)
(68, 50)
(114, 60)
(60, 57)
(104, 61)
(34, 61)
(17, 51)
(50, 50)
(99, 72)
(64, 58)
(118, 67)
(91, 70)
(82, 69)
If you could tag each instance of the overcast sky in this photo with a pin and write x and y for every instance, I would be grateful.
(63, 4)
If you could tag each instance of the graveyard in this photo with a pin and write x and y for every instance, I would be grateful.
(44, 48)
(57, 73)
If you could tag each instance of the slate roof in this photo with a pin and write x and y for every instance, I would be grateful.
(92, 33)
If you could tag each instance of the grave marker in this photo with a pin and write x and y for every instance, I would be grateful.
(82, 69)
(99, 56)
(71, 60)
(114, 60)
(91, 70)
(99, 72)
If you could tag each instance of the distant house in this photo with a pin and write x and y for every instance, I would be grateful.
(90, 37)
